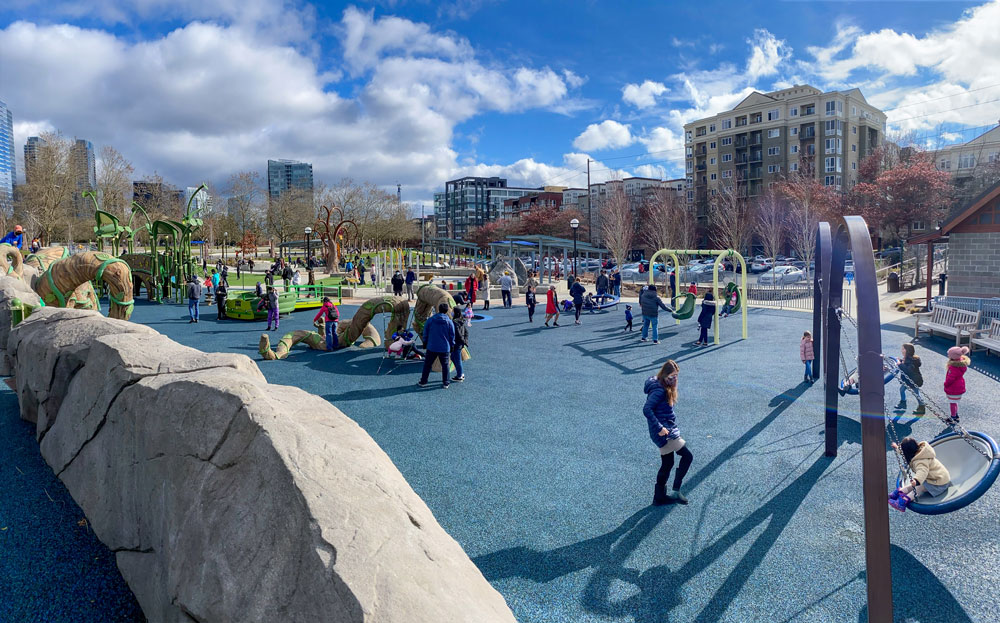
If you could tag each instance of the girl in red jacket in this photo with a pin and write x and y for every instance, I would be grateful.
(954, 380)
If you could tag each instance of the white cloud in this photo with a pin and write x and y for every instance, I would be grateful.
(643, 95)
(209, 99)
(651, 170)
(766, 53)
(607, 134)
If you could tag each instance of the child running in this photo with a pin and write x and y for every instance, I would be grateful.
(807, 355)
(954, 380)
(551, 307)
(661, 395)
(930, 476)
(628, 318)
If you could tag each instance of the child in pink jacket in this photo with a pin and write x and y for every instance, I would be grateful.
(806, 354)
(954, 380)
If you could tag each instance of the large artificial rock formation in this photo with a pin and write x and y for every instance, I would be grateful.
(13, 293)
(229, 499)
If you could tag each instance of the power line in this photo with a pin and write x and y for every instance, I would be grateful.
(943, 97)
(931, 114)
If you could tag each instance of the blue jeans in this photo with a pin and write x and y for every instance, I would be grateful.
(916, 392)
(809, 368)
(331, 336)
(618, 289)
(456, 358)
(646, 322)
(193, 308)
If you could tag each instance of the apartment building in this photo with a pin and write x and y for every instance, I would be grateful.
(768, 136)
(637, 189)
(972, 165)
(513, 209)
(470, 202)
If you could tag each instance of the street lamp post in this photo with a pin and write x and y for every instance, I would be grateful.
(225, 238)
(309, 231)
(574, 224)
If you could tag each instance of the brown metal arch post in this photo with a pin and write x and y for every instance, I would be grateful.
(824, 250)
(852, 233)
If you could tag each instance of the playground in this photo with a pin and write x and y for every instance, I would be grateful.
(540, 466)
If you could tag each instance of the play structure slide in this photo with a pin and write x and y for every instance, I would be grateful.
(686, 309)
(243, 305)
(311, 338)
(428, 299)
(59, 285)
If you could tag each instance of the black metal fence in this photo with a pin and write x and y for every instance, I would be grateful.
(789, 296)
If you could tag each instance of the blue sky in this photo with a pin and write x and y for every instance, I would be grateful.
(418, 92)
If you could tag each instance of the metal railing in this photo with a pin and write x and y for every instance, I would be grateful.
(797, 296)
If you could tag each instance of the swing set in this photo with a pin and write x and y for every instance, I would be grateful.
(972, 458)
(686, 309)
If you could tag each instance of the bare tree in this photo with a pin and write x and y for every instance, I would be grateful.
(731, 216)
(114, 182)
(617, 228)
(244, 201)
(809, 203)
(288, 214)
(45, 203)
(772, 220)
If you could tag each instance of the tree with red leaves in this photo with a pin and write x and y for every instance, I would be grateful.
(483, 235)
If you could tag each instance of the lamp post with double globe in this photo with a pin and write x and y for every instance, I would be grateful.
(309, 231)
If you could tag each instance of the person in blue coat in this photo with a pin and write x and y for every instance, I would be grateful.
(576, 290)
(14, 238)
(439, 339)
(661, 395)
(705, 318)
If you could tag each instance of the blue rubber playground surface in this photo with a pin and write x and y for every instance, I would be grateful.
(540, 465)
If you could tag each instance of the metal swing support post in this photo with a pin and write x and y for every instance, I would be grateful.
(852, 233)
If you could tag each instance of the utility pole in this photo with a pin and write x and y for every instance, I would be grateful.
(590, 207)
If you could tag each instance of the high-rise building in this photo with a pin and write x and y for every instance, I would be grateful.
(203, 202)
(771, 135)
(31, 147)
(8, 169)
(283, 175)
(83, 173)
(974, 165)
(636, 189)
(159, 197)
(471, 202)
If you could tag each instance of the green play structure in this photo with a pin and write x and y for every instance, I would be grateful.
(686, 309)
(163, 273)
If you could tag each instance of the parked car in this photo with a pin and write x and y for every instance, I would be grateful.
(761, 266)
(781, 275)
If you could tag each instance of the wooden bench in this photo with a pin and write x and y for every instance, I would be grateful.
(947, 320)
(988, 339)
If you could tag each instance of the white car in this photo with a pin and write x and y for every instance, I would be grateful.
(781, 275)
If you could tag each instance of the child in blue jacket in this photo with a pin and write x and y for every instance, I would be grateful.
(661, 394)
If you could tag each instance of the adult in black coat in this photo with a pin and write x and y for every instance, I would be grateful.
(705, 318)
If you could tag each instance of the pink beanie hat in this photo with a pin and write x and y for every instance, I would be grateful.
(957, 352)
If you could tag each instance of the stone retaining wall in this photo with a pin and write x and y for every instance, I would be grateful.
(226, 498)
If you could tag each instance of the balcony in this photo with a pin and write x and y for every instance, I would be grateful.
(756, 156)
(741, 159)
(756, 172)
(740, 144)
(700, 167)
(701, 151)
(807, 134)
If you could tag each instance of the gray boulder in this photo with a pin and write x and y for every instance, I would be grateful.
(47, 349)
(226, 499)
(11, 290)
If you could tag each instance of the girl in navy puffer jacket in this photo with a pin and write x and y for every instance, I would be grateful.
(661, 394)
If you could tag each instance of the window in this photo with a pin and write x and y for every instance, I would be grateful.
(794, 131)
(774, 115)
(854, 129)
(945, 165)
(690, 151)
(794, 166)
(993, 157)
(794, 149)
(711, 160)
(809, 110)
(828, 180)
(727, 123)
(774, 168)
(690, 195)
(833, 127)
(774, 133)
(712, 177)
(834, 107)
(690, 167)
(711, 145)
(918, 226)
(756, 117)
(833, 145)
(793, 112)
(966, 161)
(727, 141)
(727, 174)
(832, 165)
(854, 166)
(811, 150)
(854, 111)
(687, 136)
(713, 192)
(854, 148)
(773, 151)
(711, 127)
(727, 157)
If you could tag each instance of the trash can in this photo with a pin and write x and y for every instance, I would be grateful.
(892, 282)
(941, 279)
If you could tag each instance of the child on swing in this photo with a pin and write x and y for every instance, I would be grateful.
(930, 476)
(730, 305)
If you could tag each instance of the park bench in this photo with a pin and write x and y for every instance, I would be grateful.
(988, 338)
(947, 320)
